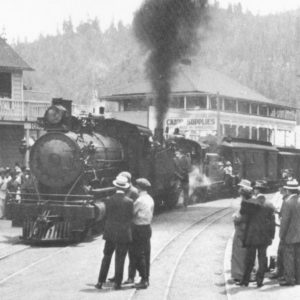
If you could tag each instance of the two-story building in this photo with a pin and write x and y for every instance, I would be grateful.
(205, 102)
(19, 109)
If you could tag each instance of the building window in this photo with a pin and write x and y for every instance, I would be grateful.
(272, 111)
(280, 113)
(198, 102)
(263, 110)
(263, 134)
(254, 133)
(254, 109)
(243, 107)
(177, 102)
(290, 114)
(213, 103)
(243, 132)
(230, 105)
(5, 85)
(136, 104)
(230, 130)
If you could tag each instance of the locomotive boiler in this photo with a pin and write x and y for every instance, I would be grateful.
(74, 156)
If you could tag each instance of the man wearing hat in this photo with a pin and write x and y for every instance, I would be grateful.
(132, 193)
(290, 234)
(260, 230)
(141, 231)
(117, 231)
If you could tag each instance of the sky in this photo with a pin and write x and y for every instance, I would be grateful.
(27, 19)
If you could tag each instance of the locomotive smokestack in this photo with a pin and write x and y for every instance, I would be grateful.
(169, 30)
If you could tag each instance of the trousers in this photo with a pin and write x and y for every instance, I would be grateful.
(120, 254)
(291, 262)
(141, 250)
(250, 260)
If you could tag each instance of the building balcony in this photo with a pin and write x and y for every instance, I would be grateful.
(21, 111)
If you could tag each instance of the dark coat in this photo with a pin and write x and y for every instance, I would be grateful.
(290, 220)
(260, 224)
(119, 214)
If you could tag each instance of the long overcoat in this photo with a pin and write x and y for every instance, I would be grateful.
(260, 225)
(290, 220)
(119, 214)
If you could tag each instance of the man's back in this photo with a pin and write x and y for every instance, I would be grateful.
(119, 213)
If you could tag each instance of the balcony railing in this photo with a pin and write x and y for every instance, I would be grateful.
(13, 110)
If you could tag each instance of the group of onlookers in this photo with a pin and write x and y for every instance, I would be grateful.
(11, 180)
(127, 229)
(255, 224)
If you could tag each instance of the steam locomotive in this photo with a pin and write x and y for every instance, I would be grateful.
(75, 155)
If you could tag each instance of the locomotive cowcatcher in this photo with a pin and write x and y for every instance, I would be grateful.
(76, 155)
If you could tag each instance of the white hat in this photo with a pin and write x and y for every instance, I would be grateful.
(291, 185)
(121, 182)
(245, 184)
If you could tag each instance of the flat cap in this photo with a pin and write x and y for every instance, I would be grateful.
(143, 183)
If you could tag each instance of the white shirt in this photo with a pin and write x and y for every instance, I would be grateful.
(143, 208)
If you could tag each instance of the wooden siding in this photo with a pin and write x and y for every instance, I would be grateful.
(16, 84)
(10, 140)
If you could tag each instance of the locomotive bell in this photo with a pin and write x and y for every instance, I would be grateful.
(55, 160)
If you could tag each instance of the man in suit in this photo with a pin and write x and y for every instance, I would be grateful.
(290, 235)
(260, 230)
(117, 231)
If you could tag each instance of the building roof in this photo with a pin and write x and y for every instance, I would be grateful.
(9, 59)
(192, 79)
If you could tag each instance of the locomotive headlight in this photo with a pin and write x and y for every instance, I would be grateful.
(54, 115)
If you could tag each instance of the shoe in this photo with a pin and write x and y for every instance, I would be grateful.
(112, 279)
(117, 286)
(141, 285)
(242, 283)
(99, 285)
(259, 284)
(285, 283)
(128, 281)
(274, 276)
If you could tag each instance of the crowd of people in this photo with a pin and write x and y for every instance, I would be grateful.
(127, 229)
(11, 180)
(260, 223)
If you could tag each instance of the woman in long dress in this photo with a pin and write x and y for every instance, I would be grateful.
(238, 251)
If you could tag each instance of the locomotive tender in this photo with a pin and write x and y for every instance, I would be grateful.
(76, 155)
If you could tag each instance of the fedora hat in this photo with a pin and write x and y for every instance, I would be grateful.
(126, 174)
(259, 185)
(245, 184)
(291, 185)
(228, 163)
(121, 182)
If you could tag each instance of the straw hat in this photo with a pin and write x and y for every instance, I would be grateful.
(245, 184)
(259, 185)
(126, 175)
(121, 182)
(291, 185)
(228, 163)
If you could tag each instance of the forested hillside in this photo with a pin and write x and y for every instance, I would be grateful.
(261, 52)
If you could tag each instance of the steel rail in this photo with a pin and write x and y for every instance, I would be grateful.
(14, 252)
(175, 237)
(171, 278)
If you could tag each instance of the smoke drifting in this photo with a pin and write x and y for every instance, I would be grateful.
(169, 30)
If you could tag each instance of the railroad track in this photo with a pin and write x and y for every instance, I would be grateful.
(11, 250)
(187, 235)
(30, 258)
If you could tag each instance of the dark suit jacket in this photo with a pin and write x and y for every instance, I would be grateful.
(119, 214)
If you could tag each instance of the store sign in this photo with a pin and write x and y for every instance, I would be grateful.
(191, 124)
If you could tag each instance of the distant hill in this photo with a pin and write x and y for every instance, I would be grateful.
(261, 52)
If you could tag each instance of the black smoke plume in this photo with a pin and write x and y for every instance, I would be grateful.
(169, 30)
